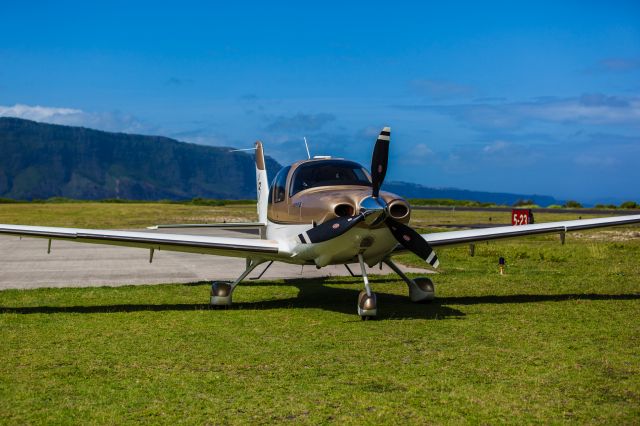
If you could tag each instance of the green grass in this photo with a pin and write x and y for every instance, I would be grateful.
(120, 215)
(554, 340)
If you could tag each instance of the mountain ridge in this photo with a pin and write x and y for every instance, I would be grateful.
(40, 161)
(414, 190)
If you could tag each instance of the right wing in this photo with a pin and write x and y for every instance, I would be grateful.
(442, 239)
(221, 246)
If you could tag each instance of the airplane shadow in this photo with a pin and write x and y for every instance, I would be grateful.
(314, 294)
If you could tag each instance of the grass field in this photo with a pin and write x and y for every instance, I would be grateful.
(555, 340)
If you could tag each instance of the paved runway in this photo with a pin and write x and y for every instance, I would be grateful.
(25, 264)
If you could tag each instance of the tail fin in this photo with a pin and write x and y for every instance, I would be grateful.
(262, 184)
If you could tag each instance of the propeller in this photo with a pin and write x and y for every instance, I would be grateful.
(412, 241)
(330, 229)
(373, 210)
(379, 160)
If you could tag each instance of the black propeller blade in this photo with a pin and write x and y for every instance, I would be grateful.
(379, 160)
(330, 229)
(412, 241)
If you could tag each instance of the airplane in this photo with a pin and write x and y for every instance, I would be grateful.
(321, 211)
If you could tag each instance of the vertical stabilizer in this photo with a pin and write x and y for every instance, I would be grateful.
(262, 185)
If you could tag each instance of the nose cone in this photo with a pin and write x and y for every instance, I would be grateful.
(374, 210)
(377, 209)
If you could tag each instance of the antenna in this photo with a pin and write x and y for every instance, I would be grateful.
(306, 145)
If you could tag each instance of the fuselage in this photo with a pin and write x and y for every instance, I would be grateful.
(314, 191)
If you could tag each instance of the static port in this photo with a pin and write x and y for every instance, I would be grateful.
(342, 210)
(398, 210)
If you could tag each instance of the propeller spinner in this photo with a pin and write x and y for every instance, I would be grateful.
(374, 210)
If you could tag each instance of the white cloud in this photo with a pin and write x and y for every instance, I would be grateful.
(421, 150)
(588, 109)
(114, 121)
(300, 122)
(595, 160)
(417, 154)
(39, 113)
(616, 65)
(496, 146)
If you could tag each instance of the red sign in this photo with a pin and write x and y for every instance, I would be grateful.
(521, 217)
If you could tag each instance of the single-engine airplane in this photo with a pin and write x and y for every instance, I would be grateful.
(321, 211)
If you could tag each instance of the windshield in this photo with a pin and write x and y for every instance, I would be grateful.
(277, 190)
(328, 173)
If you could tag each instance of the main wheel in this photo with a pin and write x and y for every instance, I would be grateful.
(221, 293)
(422, 290)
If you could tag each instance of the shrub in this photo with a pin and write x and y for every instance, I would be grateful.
(60, 200)
(572, 204)
(522, 203)
(9, 201)
(629, 205)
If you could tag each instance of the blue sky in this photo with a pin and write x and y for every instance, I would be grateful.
(539, 97)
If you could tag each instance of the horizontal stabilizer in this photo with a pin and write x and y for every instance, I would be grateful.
(227, 225)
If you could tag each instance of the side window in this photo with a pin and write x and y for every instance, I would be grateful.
(278, 186)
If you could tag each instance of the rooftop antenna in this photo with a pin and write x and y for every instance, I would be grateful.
(306, 145)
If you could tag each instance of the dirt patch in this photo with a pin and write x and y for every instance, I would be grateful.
(612, 235)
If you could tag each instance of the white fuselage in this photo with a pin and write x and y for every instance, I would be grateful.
(373, 243)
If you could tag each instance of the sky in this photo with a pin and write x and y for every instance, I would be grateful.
(528, 97)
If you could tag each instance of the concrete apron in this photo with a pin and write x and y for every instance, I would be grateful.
(25, 264)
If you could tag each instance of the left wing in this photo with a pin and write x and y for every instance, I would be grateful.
(223, 246)
(442, 239)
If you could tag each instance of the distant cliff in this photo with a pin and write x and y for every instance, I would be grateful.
(412, 190)
(43, 160)
(39, 161)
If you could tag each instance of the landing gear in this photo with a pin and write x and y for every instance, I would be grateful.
(367, 305)
(221, 292)
(420, 289)
(367, 301)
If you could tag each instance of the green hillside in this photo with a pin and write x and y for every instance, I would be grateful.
(40, 160)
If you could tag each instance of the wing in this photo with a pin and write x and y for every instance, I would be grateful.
(222, 246)
(443, 239)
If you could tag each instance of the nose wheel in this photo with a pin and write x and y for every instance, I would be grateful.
(367, 300)
(367, 305)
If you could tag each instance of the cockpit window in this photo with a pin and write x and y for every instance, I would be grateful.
(328, 173)
(278, 186)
